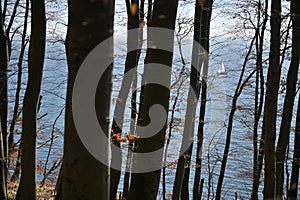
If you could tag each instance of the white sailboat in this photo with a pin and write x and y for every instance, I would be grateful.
(222, 70)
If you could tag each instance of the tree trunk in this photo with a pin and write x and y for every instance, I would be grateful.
(239, 88)
(4, 59)
(3, 106)
(180, 187)
(133, 42)
(90, 23)
(284, 136)
(293, 192)
(27, 187)
(204, 41)
(3, 189)
(19, 85)
(271, 100)
(145, 185)
(258, 151)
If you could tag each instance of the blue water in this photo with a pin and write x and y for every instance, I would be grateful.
(229, 50)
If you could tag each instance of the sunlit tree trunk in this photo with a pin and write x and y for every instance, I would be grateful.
(201, 36)
(180, 187)
(133, 97)
(27, 187)
(132, 57)
(89, 23)
(4, 59)
(145, 185)
(259, 96)
(271, 100)
(3, 189)
(204, 41)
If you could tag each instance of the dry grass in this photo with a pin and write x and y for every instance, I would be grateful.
(47, 192)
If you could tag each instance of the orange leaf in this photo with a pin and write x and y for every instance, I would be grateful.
(142, 24)
(133, 8)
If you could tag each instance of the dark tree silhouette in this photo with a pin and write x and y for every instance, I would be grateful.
(27, 187)
(84, 177)
(284, 135)
(238, 91)
(145, 185)
(295, 10)
(259, 99)
(294, 185)
(133, 42)
(271, 100)
(202, 17)
(3, 106)
(4, 58)
(16, 111)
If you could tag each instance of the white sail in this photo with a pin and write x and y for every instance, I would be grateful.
(222, 70)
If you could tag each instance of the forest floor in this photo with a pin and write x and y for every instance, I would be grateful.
(47, 192)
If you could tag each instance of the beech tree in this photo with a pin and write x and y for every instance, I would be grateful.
(205, 20)
(203, 10)
(259, 98)
(292, 76)
(238, 91)
(271, 100)
(3, 188)
(14, 119)
(145, 185)
(294, 185)
(293, 192)
(4, 59)
(3, 104)
(27, 187)
(84, 177)
(134, 40)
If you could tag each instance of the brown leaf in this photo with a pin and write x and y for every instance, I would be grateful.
(133, 8)
(142, 24)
